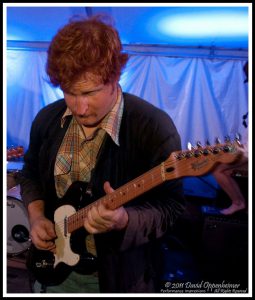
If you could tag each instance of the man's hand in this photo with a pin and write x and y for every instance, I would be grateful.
(42, 231)
(102, 219)
(42, 234)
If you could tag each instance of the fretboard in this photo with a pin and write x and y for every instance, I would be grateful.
(120, 196)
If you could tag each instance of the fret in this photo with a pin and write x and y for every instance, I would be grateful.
(120, 196)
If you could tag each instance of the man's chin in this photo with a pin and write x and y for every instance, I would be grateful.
(88, 122)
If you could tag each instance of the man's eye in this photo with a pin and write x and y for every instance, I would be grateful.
(69, 94)
(89, 93)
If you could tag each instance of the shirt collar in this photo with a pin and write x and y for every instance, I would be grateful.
(111, 122)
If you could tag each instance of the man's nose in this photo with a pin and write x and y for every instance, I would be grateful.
(82, 105)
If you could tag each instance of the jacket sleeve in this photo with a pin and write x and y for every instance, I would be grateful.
(158, 209)
(44, 139)
(31, 188)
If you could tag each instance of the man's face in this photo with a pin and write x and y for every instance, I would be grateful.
(90, 101)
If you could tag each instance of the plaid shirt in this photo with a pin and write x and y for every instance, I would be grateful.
(77, 154)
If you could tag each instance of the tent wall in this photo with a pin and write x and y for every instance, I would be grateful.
(204, 94)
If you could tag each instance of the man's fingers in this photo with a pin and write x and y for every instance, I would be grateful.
(107, 188)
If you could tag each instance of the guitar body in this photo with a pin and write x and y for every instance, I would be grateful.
(71, 253)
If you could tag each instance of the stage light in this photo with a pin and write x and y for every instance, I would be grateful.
(204, 24)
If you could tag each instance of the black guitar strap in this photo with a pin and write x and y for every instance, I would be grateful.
(89, 188)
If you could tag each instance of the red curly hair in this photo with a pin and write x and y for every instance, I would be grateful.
(85, 46)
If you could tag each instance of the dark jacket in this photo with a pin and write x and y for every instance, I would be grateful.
(129, 260)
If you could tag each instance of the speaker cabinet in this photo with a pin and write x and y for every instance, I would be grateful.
(225, 249)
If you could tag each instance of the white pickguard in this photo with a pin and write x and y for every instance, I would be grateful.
(64, 252)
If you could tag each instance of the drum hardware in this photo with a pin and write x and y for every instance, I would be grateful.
(20, 233)
(14, 192)
(12, 205)
(12, 178)
(18, 240)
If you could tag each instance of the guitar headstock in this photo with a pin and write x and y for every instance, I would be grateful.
(14, 153)
(201, 160)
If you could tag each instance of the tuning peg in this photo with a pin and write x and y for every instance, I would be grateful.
(207, 143)
(238, 137)
(227, 147)
(199, 145)
(217, 141)
(199, 150)
(189, 146)
(227, 139)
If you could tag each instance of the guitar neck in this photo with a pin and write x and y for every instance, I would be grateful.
(194, 162)
(122, 195)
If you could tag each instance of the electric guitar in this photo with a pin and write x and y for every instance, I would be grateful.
(49, 268)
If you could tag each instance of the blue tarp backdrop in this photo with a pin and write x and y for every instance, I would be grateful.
(206, 97)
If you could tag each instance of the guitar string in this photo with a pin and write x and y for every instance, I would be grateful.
(109, 197)
(105, 198)
(80, 215)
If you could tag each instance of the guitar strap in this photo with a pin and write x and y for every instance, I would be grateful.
(89, 190)
(90, 241)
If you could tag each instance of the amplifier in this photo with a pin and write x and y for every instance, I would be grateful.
(225, 248)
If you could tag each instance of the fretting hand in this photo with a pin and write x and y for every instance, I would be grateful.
(102, 219)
